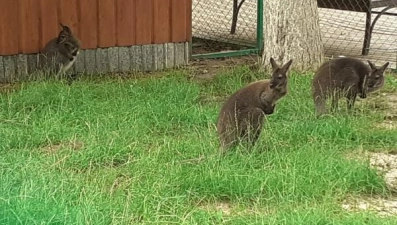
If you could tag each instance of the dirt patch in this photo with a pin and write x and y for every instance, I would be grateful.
(381, 206)
(387, 101)
(388, 124)
(391, 100)
(9, 88)
(206, 69)
(227, 208)
(384, 162)
(202, 46)
(53, 148)
(386, 165)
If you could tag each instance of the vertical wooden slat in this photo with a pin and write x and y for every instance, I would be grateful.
(29, 29)
(49, 21)
(144, 21)
(178, 16)
(21, 66)
(102, 60)
(188, 19)
(32, 63)
(107, 23)
(2, 75)
(8, 27)
(88, 33)
(148, 58)
(10, 67)
(169, 55)
(159, 56)
(80, 62)
(136, 58)
(179, 54)
(125, 10)
(124, 59)
(68, 15)
(161, 23)
(90, 60)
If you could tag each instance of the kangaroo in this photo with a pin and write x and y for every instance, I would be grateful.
(241, 116)
(345, 77)
(59, 54)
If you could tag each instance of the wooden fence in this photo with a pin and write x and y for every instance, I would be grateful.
(27, 25)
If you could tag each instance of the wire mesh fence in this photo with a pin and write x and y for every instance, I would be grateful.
(365, 29)
(222, 25)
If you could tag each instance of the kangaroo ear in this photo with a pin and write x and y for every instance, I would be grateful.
(65, 32)
(373, 67)
(273, 63)
(66, 29)
(384, 67)
(287, 65)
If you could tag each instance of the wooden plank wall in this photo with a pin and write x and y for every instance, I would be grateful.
(27, 25)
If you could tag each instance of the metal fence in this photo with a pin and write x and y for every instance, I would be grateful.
(226, 27)
(365, 29)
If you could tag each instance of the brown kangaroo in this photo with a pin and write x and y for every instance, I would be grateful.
(241, 116)
(345, 77)
(59, 54)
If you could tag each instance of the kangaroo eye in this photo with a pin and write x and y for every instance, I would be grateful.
(377, 76)
(279, 76)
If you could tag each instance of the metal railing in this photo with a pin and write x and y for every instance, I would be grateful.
(225, 28)
(364, 29)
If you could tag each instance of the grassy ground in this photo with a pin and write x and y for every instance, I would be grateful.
(144, 151)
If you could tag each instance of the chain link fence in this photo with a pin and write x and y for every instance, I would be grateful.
(365, 29)
(224, 25)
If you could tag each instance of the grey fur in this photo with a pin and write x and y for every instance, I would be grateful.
(60, 54)
(345, 77)
(241, 116)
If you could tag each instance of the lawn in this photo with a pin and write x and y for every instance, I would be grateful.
(145, 151)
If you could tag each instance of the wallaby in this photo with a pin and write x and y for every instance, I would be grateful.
(241, 116)
(59, 54)
(345, 77)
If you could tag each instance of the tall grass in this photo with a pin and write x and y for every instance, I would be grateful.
(148, 155)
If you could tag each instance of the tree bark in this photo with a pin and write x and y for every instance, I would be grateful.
(292, 31)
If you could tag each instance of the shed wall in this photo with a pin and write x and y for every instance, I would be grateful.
(27, 25)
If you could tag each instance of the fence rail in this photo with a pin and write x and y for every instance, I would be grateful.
(238, 23)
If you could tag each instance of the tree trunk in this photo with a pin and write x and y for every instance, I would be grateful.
(292, 31)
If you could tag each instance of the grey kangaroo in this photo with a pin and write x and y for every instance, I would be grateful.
(59, 54)
(241, 116)
(345, 77)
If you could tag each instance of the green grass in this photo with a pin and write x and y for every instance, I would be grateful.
(150, 155)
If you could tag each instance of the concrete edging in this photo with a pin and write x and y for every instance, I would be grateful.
(139, 58)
